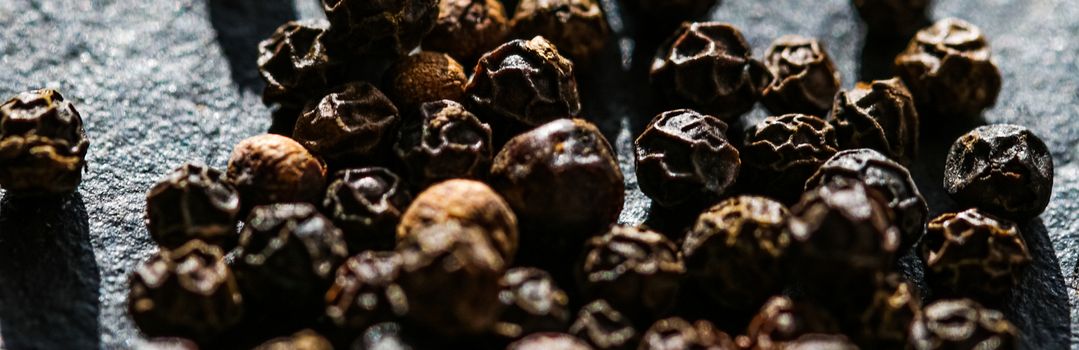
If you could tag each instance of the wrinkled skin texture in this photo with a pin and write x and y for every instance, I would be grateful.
(878, 115)
(295, 64)
(533, 304)
(781, 153)
(884, 320)
(677, 334)
(466, 29)
(193, 202)
(424, 77)
(42, 144)
(893, 19)
(544, 341)
(353, 123)
(524, 81)
(366, 292)
(806, 80)
(684, 155)
(577, 27)
(269, 169)
(445, 141)
(367, 204)
(783, 320)
(636, 270)
(380, 28)
(604, 327)
(302, 340)
(962, 324)
(467, 203)
(709, 67)
(949, 70)
(973, 254)
(1003, 169)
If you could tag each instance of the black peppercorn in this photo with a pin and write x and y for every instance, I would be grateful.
(878, 172)
(883, 320)
(366, 291)
(269, 169)
(533, 303)
(636, 270)
(353, 123)
(385, 336)
(735, 250)
(893, 19)
(380, 29)
(524, 81)
(577, 27)
(1002, 169)
(973, 254)
(677, 334)
(684, 155)
(42, 144)
(962, 324)
(782, 320)
(367, 204)
(604, 327)
(185, 292)
(193, 202)
(549, 341)
(709, 67)
(949, 70)
(468, 28)
(424, 77)
(295, 64)
(878, 115)
(782, 152)
(445, 141)
(664, 15)
(468, 203)
(806, 80)
(302, 340)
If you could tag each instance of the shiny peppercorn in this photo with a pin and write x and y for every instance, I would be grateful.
(806, 80)
(42, 144)
(962, 324)
(878, 115)
(604, 327)
(367, 204)
(445, 141)
(1005, 170)
(893, 19)
(366, 292)
(709, 67)
(468, 203)
(683, 155)
(781, 152)
(533, 303)
(295, 64)
(636, 270)
(973, 254)
(677, 334)
(577, 27)
(193, 202)
(526, 82)
(302, 340)
(552, 341)
(423, 77)
(353, 123)
(269, 169)
(467, 29)
(783, 320)
(379, 29)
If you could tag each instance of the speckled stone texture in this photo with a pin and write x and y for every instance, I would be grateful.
(163, 82)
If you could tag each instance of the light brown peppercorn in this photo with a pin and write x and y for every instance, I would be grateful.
(467, 29)
(269, 169)
(577, 27)
(806, 80)
(424, 77)
(468, 203)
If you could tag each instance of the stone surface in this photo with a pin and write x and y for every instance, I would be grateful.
(163, 82)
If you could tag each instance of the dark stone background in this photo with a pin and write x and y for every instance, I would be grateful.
(166, 81)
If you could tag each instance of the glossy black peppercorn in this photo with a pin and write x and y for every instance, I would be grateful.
(467, 29)
(467, 203)
(353, 123)
(577, 27)
(781, 153)
(533, 303)
(269, 169)
(973, 254)
(880, 115)
(296, 64)
(683, 155)
(636, 270)
(962, 324)
(524, 81)
(782, 320)
(193, 202)
(445, 141)
(709, 67)
(424, 77)
(380, 29)
(549, 341)
(604, 327)
(42, 144)
(678, 334)
(893, 19)
(1002, 169)
(806, 80)
(302, 340)
(365, 291)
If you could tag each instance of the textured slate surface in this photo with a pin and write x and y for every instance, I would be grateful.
(163, 82)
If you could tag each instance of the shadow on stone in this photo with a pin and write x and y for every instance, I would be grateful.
(878, 56)
(241, 25)
(1039, 305)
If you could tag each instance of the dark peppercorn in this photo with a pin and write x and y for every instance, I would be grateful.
(782, 152)
(668, 14)
(677, 334)
(424, 77)
(876, 171)
(269, 169)
(783, 320)
(295, 64)
(367, 204)
(42, 144)
(445, 141)
(684, 155)
(524, 81)
(735, 250)
(604, 327)
(1002, 169)
(817, 341)
(468, 203)
(385, 336)
(973, 254)
(549, 341)
(884, 320)
(467, 29)
(577, 27)
(893, 19)
(962, 324)
(353, 123)
(533, 303)
(380, 29)
(302, 340)
(878, 115)
(806, 80)
(709, 67)
(949, 70)
(365, 291)
(185, 292)
(636, 270)
(193, 202)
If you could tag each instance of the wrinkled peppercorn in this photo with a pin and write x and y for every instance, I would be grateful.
(684, 155)
(269, 169)
(884, 320)
(445, 141)
(295, 64)
(187, 292)
(735, 250)
(365, 291)
(806, 79)
(577, 27)
(604, 327)
(468, 203)
(973, 254)
(380, 29)
(424, 77)
(385, 336)
(878, 172)
(467, 29)
(367, 204)
(302, 340)
(709, 67)
(549, 341)
(353, 123)
(962, 324)
(1003, 169)
(783, 320)
(893, 19)
(42, 144)
(949, 70)
(677, 334)
(533, 303)
(878, 115)
(636, 270)
(782, 152)
(668, 14)
(524, 81)
(193, 202)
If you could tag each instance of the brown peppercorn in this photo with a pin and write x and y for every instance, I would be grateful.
(424, 77)
(783, 320)
(949, 70)
(709, 67)
(883, 320)
(353, 123)
(445, 141)
(271, 168)
(379, 29)
(524, 81)
(366, 292)
(604, 327)
(468, 203)
(677, 334)
(818, 341)
(42, 144)
(806, 79)
(683, 155)
(193, 202)
(782, 152)
(533, 304)
(467, 29)
(549, 341)
(973, 254)
(1003, 169)
(664, 15)
(962, 324)
(893, 19)
(577, 27)
(367, 204)
(295, 64)
(636, 270)
(185, 292)
(302, 340)
(878, 115)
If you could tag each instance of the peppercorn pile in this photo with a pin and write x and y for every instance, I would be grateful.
(418, 204)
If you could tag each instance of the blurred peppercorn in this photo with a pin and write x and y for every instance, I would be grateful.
(295, 64)
(577, 27)
(782, 320)
(883, 319)
(806, 80)
(973, 254)
(604, 327)
(42, 144)
(193, 202)
(354, 123)
(468, 203)
(367, 204)
(549, 341)
(526, 82)
(467, 29)
(269, 169)
(366, 292)
(677, 334)
(781, 152)
(385, 336)
(445, 141)
(424, 77)
(878, 115)
(683, 155)
(893, 19)
(533, 303)
(962, 324)
(376, 30)
(636, 270)
(1005, 170)
(302, 340)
